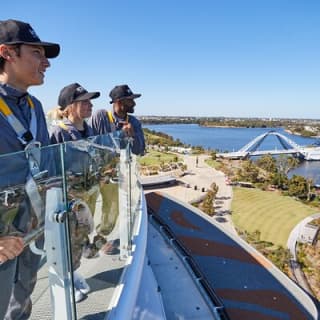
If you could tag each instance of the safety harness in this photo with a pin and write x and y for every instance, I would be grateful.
(63, 126)
(24, 135)
(112, 121)
(31, 148)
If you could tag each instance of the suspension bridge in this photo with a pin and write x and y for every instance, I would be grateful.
(289, 147)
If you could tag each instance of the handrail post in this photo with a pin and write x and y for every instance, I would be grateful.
(56, 244)
(124, 204)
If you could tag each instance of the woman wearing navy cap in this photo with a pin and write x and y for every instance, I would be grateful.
(74, 107)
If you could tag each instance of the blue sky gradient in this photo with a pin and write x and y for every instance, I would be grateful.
(250, 58)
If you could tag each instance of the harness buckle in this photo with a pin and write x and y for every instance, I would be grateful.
(27, 136)
(33, 155)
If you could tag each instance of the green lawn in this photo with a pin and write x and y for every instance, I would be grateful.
(156, 158)
(214, 164)
(269, 212)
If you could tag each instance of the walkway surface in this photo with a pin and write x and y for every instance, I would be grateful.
(200, 177)
(291, 244)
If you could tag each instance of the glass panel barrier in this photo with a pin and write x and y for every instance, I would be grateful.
(124, 203)
(92, 170)
(130, 195)
(136, 189)
(81, 197)
(26, 179)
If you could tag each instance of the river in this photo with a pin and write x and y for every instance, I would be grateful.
(232, 139)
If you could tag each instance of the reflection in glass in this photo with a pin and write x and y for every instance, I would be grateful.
(84, 175)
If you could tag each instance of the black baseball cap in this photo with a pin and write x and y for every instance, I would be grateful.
(74, 92)
(122, 92)
(18, 32)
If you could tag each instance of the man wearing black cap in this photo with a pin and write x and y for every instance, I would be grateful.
(125, 125)
(23, 62)
(123, 102)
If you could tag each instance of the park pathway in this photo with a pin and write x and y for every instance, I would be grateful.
(192, 187)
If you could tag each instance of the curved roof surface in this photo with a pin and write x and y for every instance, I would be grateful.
(249, 286)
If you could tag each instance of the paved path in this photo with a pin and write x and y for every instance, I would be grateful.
(200, 177)
(291, 244)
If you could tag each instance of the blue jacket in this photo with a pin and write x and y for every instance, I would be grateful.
(16, 169)
(100, 123)
(66, 131)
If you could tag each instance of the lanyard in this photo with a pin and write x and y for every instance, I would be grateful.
(24, 136)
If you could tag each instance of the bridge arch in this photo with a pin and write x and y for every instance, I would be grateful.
(257, 141)
(289, 147)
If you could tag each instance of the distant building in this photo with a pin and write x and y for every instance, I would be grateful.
(245, 184)
(181, 150)
(308, 234)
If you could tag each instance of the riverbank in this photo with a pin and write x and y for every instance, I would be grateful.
(294, 133)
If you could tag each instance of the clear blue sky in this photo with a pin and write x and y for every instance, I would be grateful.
(252, 58)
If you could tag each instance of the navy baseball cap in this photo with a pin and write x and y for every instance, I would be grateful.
(122, 92)
(74, 92)
(18, 32)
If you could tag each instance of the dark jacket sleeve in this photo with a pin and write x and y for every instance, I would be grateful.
(100, 122)
(138, 145)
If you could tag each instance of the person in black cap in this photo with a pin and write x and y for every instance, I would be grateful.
(75, 106)
(23, 63)
(103, 121)
(119, 122)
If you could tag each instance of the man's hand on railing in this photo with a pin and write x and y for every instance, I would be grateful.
(10, 247)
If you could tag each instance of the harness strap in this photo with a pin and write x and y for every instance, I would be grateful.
(63, 126)
(25, 136)
(32, 151)
(112, 121)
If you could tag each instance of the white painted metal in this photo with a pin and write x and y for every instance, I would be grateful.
(180, 293)
(149, 303)
(57, 259)
(124, 208)
(123, 302)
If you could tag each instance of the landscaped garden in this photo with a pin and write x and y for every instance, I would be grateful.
(271, 213)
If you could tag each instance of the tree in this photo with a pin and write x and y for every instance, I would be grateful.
(298, 187)
(213, 155)
(207, 204)
(280, 180)
(285, 164)
(214, 189)
(249, 171)
(309, 184)
(268, 163)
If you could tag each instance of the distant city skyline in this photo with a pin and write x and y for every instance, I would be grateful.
(213, 58)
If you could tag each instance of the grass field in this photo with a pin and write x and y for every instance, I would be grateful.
(214, 164)
(269, 212)
(156, 158)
